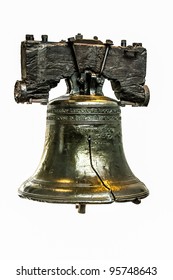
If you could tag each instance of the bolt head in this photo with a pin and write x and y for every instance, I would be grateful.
(109, 42)
(72, 39)
(79, 36)
(29, 37)
(137, 44)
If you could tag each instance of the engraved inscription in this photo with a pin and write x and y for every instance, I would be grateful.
(99, 133)
(83, 111)
(84, 114)
(83, 118)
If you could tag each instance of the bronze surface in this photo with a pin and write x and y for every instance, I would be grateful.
(83, 161)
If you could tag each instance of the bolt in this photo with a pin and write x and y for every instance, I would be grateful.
(44, 38)
(81, 80)
(109, 42)
(29, 37)
(137, 44)
(107, 45)
(79, 36)
(123, 43)
(100, 80)
(81, 208)
(136, 201)
(71, 40)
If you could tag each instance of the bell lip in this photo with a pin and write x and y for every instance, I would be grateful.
(107, 199)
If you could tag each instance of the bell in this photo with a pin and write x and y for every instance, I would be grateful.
(83, 161)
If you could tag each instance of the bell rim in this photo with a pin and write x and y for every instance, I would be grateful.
(107, 199)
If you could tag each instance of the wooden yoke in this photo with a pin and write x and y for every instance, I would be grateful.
(84, 64)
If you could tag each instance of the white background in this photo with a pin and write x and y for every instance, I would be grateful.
(33, 231)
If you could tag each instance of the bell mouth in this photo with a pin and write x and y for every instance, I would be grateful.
(72, 193)
(83, 160)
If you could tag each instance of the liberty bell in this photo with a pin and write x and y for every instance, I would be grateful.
(83, 161)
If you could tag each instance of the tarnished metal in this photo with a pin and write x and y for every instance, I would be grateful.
(83, 161)
(45, 63)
